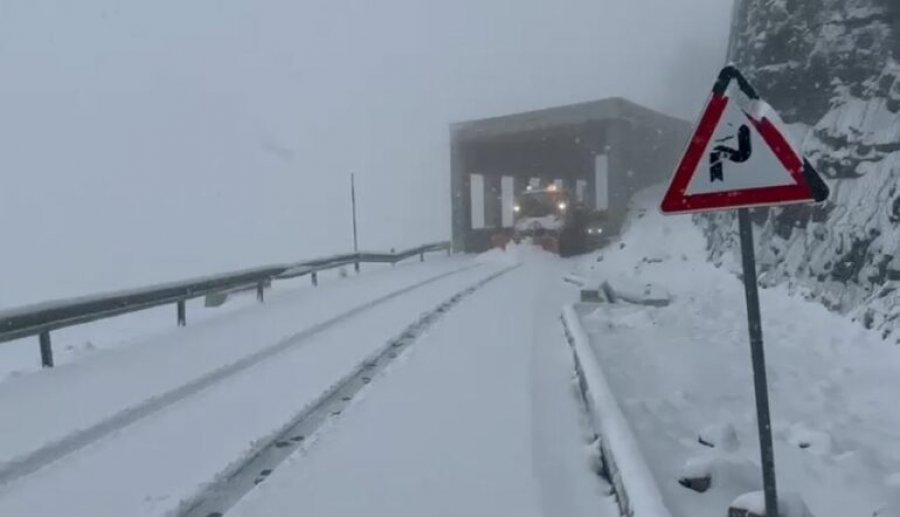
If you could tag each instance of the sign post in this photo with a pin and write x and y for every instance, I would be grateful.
(760, 383)
(740, 157)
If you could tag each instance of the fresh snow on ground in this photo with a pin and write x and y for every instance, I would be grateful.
(789, 505)
(41, 408)
(152, 465)
(22, 356)
(683, 372)
(478, 418)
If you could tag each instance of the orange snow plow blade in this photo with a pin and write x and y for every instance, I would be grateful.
(549, 244)
(500, 240)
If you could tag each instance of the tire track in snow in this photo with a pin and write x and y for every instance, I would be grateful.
(50, 453)
(245, 473)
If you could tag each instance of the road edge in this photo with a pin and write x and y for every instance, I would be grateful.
(624, 463)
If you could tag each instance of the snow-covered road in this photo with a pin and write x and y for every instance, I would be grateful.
(477, 417)
(47, 408)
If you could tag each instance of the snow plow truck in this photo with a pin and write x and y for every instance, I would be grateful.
(550, 218)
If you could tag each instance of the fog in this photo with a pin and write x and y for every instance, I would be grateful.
(146, 141)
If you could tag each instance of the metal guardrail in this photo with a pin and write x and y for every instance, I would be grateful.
(41, 319)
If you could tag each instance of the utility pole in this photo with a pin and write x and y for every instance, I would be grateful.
(353, 204)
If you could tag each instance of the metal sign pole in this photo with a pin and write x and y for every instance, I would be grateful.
(767, 453)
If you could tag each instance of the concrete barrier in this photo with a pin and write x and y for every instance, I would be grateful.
(635, 487)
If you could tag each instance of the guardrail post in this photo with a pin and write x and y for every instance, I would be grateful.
(46, 350)
(42, 322)
(182, 314)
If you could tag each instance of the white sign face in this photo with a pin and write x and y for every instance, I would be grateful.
(737, 158)
(740, 156)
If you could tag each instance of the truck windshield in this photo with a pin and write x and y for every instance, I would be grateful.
(540, 204)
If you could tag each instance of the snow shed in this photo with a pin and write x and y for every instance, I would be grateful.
(603, 151)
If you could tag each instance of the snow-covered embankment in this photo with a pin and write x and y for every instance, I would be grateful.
(681, 376)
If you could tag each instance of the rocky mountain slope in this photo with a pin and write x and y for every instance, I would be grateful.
(832, 68)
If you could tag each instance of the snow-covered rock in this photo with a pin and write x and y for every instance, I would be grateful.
(723, 472)
(753, 504)
(575, 280)
(633, 291)
(832, 69)
(815, 441)
(723, 437)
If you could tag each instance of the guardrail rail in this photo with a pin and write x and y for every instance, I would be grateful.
(40, 319)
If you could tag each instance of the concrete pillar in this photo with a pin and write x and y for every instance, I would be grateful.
(507, 186)
(580, 189)
(493, 205)
(476, 192)
(460, 195)
(602, 180)
(520, 183)
(620, 183)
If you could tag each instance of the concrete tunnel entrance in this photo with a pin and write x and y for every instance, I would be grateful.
(602, 152)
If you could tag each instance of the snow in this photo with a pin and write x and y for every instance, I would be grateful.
(46, 406)
(634, 292)
(789, 505)
(635, 487)
(731, 473)
(804, 437)
(864, 121)
(547, 222)
(166, 457)
(172, 453)
(478, 418)
(679, 371)
(21, 357)
(724, 436)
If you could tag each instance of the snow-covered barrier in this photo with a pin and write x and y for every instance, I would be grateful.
(624, 462)
(636, 293)
(574, 279)
(753, 504)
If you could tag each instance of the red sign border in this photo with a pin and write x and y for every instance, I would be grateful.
(809, 186)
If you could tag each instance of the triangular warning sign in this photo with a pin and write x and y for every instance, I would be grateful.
(739, 156)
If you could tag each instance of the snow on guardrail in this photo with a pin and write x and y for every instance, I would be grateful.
(634, 484)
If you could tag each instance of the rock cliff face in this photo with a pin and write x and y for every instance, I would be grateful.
(832, 69)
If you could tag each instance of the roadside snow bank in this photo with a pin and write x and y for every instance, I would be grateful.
(634, 292)
(682, 374)
(789, 505)
(511, 256)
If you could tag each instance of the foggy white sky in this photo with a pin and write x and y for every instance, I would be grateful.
(145, 141)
